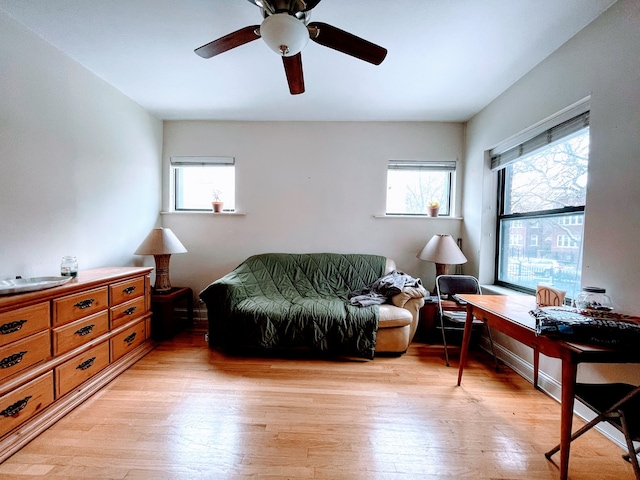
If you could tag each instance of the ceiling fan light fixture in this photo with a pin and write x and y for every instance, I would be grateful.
(284, 34)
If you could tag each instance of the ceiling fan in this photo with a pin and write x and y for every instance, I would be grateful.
(286, 30)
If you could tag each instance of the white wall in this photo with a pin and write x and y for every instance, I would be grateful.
(306, 187)
(80, 162)
(602, 61)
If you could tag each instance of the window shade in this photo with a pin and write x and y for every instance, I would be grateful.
(422, 165)
(501, 157)
(187, 161)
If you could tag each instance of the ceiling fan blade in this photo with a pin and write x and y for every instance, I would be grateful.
(346, 42)
(293, 70)
(233, 40)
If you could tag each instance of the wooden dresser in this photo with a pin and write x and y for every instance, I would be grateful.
(61, 345)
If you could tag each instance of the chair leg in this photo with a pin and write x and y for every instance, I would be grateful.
(632, 451)
(626, 456)
(578, 433)
(444, 342)
(493, 352)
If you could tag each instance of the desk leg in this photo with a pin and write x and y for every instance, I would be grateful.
(536, 365)
(569, 371)
(468, 325)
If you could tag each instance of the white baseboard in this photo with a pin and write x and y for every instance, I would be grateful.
(199, 314)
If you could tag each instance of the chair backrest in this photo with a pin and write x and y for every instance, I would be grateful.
(549, 297)
(455, 284)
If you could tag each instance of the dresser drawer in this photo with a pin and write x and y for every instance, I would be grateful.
(126, 312)
(126, 341)
(24, 402)
(26, 352)
(22, 322)
(127, 290)
(80, 368)
(73, 307)
(74, 334)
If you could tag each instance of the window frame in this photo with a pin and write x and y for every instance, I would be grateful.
(447, 166)
(176, 163)
(515, 149)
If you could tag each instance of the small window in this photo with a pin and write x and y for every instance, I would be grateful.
(413, 185)
(198, 181)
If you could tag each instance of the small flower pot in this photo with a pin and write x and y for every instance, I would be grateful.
(433, 211)
(217, 206)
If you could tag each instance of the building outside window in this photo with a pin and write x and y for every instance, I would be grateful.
(197, 181)
(413, 185)
(542, 199)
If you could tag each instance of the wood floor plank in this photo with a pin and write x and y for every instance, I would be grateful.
(187, 412)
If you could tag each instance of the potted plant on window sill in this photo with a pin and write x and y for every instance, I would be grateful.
(217, 203)
(433, 208)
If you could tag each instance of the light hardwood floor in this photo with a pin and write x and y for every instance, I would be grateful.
(185, 412)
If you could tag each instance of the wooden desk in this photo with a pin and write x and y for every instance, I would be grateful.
(510, 315)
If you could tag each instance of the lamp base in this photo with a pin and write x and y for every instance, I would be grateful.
(162, 285)
(441, 269)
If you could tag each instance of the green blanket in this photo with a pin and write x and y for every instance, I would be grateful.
(295, 300)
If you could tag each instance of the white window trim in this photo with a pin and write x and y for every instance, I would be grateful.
(195, 160)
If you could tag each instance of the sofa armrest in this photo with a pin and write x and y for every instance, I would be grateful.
(408, 293)
(412, 299)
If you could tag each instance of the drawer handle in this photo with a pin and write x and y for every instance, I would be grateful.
(85, 303)
(129, 290)
(81, 332)
(129, 340)
(16, 408)
(86, 364)
(129, 311)
(11, 327)
(11, 360)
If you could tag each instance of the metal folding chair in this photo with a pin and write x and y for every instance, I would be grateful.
(447, 287)
(618, 404)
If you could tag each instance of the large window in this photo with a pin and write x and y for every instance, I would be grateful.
(198, 181)
(541, 201)
(413, 185)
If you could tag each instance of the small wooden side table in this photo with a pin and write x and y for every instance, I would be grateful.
(163, 322)
(428, 324)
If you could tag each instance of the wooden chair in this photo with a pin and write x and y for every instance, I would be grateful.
(450, 286)
(618, 404)
(545, 297)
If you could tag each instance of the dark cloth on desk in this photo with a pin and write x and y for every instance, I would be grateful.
(587, 326)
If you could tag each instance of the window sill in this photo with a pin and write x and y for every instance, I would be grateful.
(498, 290)
(205, 212)
(442, 217)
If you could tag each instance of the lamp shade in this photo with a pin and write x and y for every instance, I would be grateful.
(442, 249)
(160, 241)
(284, 34)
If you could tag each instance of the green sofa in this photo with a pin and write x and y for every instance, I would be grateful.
(284, 301)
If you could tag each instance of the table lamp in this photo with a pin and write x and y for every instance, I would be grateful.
(161, 243)
(443, 251)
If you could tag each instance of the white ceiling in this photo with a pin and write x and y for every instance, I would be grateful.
(447, 58)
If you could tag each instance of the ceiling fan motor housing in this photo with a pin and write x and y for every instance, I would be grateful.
(284, 34)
